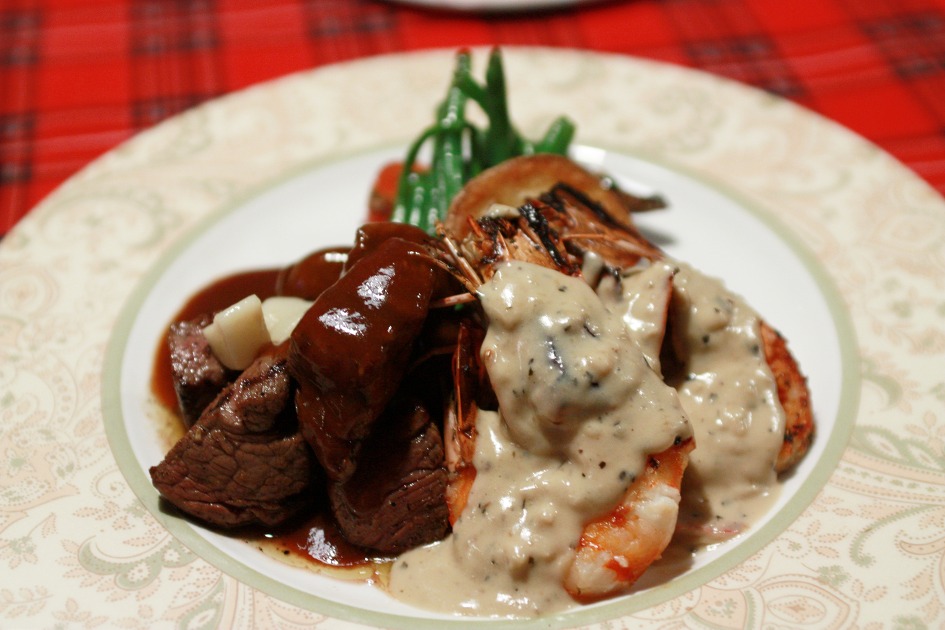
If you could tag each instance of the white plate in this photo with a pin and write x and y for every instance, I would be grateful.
(705, 226)
(837, 244)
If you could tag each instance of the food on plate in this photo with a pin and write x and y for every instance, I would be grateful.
(242, 461)
(504, 389)
(715, 336)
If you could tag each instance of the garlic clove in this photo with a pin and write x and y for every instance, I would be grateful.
(282, 314)
(237, 333)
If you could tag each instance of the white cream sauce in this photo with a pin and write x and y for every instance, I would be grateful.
(731, 397)
(577, 376)
(642, 297)
(581, 408)
(725, 387)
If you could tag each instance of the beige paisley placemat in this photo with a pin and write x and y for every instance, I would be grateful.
(78, 548)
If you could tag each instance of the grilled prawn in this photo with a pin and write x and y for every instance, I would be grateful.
(558, 380)
(584, 222)
(547, 211)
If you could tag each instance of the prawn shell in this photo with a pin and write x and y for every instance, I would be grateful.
(516, 181)
(617, 548)
(793, 395)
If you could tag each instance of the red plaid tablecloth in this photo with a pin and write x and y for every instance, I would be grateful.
(77, 77)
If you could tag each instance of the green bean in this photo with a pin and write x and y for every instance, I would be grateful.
(476, 152)
(460, 149)
(448, 152)
(408, 180)
(502, 141)
(432, 200)
(557, 138)
(471, 89)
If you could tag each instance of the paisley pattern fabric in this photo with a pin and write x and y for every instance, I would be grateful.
(80, 549)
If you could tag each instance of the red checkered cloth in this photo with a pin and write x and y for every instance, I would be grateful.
(77, 77)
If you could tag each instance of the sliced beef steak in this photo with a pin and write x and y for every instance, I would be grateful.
(198, 375)
(396, 498)
(244, 461)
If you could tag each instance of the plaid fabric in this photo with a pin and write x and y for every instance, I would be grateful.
(77, 77)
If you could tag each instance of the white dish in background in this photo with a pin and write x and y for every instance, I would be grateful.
(497, 6)
(848, 243)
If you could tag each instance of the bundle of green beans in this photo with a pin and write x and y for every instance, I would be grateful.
(460, 150)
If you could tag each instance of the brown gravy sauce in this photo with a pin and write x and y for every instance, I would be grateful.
(214, 297)
(313, 540)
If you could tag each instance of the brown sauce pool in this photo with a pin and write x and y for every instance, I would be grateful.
(212, 298)
(315, 542)
(306, 279)
(313, 539)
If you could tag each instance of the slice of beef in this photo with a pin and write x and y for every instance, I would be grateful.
(396, 498)
(198, 375)
(349, 351)
(244, 461)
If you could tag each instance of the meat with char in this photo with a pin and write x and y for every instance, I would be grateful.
(197, 374)
(322, 403)
(348, 352)
(395, 500)
(244, 461)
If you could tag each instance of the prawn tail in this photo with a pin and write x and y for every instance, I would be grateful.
(615, 549)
